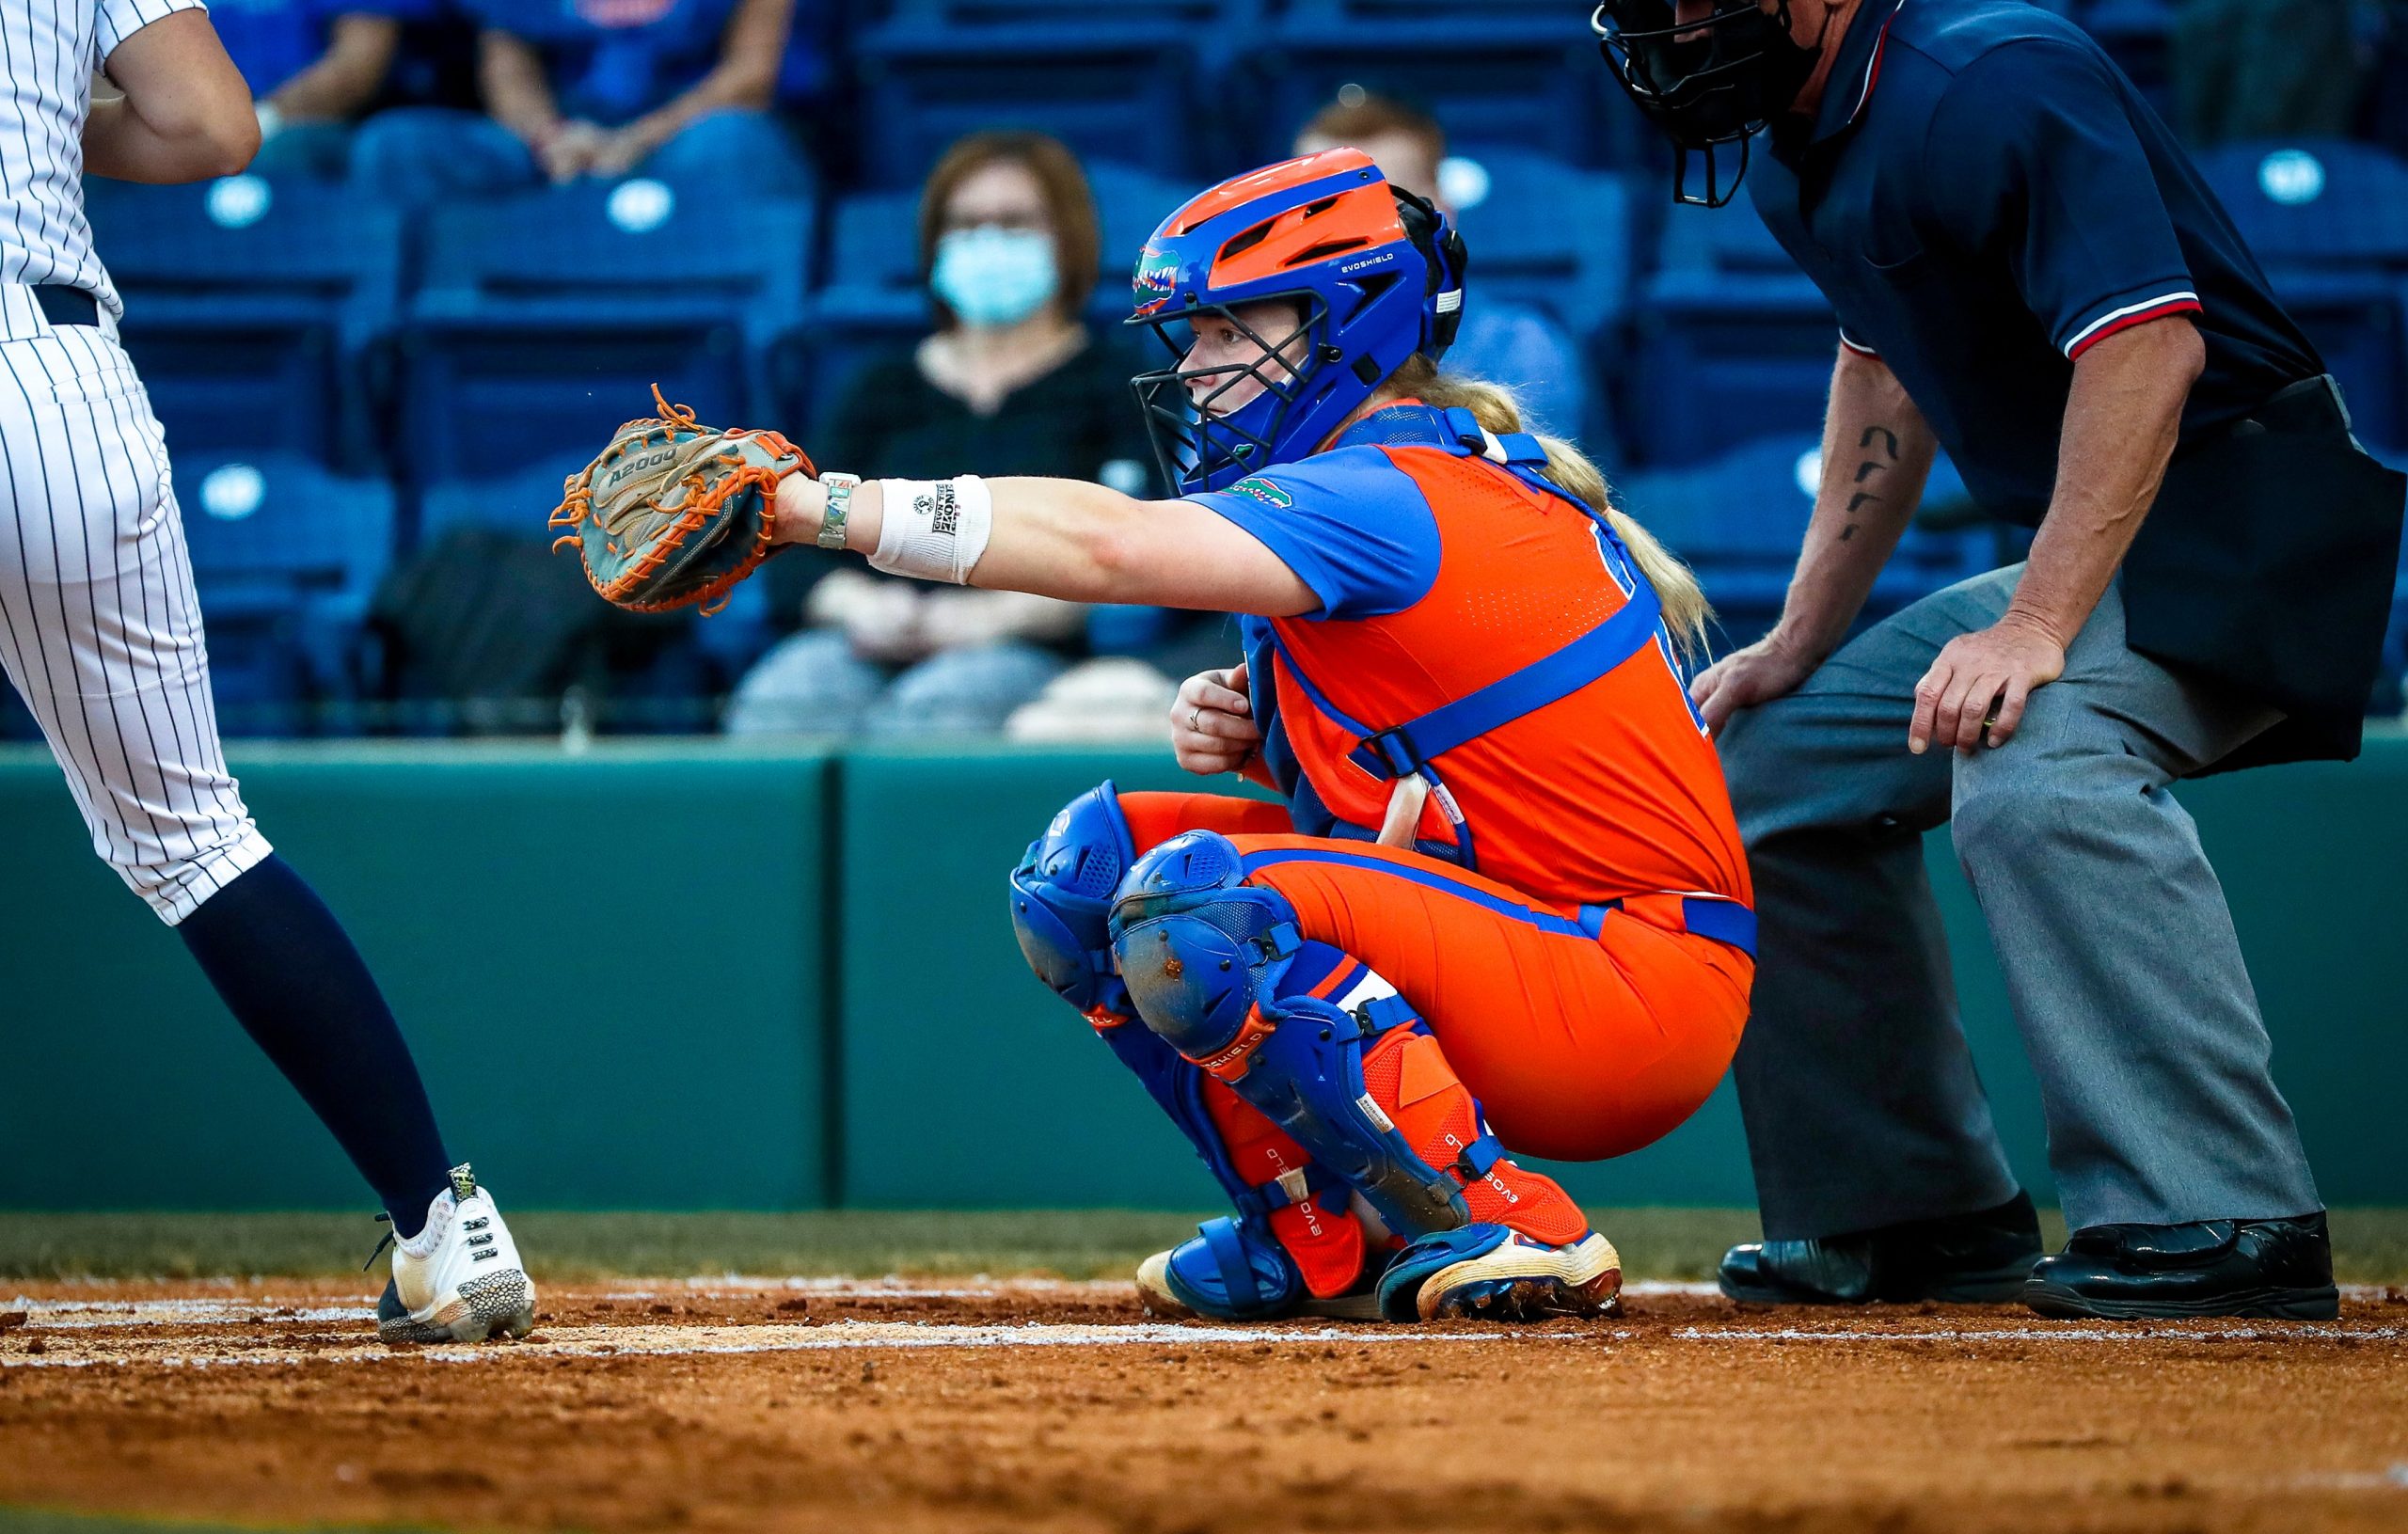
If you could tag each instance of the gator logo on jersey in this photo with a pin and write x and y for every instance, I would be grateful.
(1263, 491)
(1156, 280)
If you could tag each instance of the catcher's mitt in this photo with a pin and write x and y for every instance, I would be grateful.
(673, 512)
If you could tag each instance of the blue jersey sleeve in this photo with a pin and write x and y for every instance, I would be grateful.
(1352, 524)
(2032, 151)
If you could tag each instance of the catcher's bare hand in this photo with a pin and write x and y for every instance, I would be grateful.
(1211, 723)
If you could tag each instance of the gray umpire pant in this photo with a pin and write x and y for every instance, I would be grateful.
(2126, 976)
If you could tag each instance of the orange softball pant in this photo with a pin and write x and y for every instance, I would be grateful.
(1579, 1048)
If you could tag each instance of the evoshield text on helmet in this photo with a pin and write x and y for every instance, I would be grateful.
(1708, 81)
(1372, 275)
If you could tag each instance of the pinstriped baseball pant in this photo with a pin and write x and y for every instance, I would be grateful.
(100, 628)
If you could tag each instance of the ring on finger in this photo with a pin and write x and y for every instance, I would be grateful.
(1196, 718)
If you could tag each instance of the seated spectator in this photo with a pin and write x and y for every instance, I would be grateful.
(1502, 340)
(1011, 380)
(316, 67)
(601, 88)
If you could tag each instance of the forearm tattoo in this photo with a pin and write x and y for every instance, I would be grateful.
(1868, 467)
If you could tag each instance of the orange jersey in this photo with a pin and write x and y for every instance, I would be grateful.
(1440, 573)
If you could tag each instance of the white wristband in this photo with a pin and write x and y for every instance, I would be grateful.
(934, 530)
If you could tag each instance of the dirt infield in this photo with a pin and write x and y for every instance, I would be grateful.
(740, 1405)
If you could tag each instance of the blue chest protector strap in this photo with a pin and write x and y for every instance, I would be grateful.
(1403, 749)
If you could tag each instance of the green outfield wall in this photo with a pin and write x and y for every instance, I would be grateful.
(786, 979)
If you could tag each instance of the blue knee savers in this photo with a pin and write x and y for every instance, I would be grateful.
(1202, 956)
(1062, 901)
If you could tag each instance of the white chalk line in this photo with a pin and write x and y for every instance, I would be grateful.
(681, 1341)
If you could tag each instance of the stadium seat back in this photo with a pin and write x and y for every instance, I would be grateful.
(286, 556)
(2329, 222)
(1728, 239)
(1553, 235)
(244, 237)
(2321, 203)
(558, 311)
(1109, 86)
(254, 309)
(1130, 205)
(514, 503)
(873, 243)
(639, 242)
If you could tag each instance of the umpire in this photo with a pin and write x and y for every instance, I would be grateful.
(2028, 272)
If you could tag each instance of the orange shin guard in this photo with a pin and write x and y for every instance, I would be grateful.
(1317, 1230)
(1408, 1076)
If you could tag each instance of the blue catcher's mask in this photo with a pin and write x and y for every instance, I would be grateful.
(1362, 277)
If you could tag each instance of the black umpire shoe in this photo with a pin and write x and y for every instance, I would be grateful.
(1980, 1258)
(2281, 1269)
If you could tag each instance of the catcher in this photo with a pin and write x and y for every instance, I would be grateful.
(1504, 903)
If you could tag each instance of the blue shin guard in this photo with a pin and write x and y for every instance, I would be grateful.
(1207, 959)
(1060, 899)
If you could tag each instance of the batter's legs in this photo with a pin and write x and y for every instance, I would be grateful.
(100, 633)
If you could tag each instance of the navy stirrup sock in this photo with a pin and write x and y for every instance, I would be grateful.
(288, 972)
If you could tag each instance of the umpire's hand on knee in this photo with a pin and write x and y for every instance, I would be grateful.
(1974, 693)
(1769, 669)
(1211, 723)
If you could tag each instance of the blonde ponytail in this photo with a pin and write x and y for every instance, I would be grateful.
(1686, 609)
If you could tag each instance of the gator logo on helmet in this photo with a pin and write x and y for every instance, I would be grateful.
(1263, 491)
(1156, 280)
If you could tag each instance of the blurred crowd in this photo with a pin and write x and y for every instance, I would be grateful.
(418, 102)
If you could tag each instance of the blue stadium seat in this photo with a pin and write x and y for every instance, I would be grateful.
(518, 502)
(286, 556)
(2329, 221)
(1738, 521)
(555, 313)
(255, 309)
(1498, 74)
(1550, 234)
(1110, 80)
(1733, 340)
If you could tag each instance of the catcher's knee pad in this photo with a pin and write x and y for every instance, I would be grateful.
(1061, 897)
(1206, 959)
(1062, 903)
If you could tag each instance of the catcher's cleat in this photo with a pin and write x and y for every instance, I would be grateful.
(1227, 1272)
(1488, 1272)
(460, 1279)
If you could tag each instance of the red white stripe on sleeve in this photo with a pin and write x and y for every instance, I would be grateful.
(1857, 346)
(2179, 301)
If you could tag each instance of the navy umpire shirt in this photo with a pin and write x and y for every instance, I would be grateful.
(1983, 196)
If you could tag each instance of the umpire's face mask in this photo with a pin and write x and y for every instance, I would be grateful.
(1707, 79)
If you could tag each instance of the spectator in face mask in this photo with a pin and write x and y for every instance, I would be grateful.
(1011, 380)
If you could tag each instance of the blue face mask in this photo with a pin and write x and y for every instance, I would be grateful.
(994, 277)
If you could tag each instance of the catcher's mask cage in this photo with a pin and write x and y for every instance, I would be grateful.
(1372, 275)
(1709, 83)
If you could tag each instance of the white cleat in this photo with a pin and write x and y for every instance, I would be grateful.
(459, 1280)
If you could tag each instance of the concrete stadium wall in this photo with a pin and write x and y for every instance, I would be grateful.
(805, 991)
